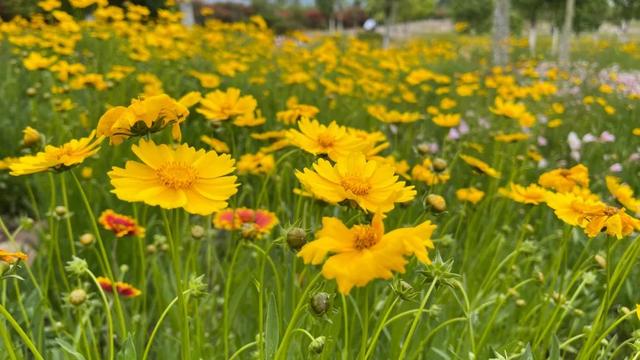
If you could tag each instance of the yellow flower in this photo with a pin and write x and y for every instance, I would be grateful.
(513, 110)
(30, 136)
(333, 140)
(447, 104)
(256, 164)
(250, 119)
(372, 185)
(558, 108)
(57, 158)
(218, 105)
(636, 131)
(613, 221)
(6, 162)
(12, 257)
(470, 194)
(174, 178)
(363, 253)
(554, 123)
(142, 117)
(573, 209)
(447, 120)
(531, 194)
(480, 166)
(563, 180)
(296, 112)
(81, 4)
(427, 173)
(217, 145)
(509, 138)
(623, 193)
(381, 113)
(48, 5)
(208, 81)
(35, 61)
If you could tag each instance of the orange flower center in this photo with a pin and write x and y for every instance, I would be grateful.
(177, 175)
(364, 236)
(356, 185)
(326, 140)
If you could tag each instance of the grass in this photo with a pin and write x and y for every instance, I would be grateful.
(508, 280)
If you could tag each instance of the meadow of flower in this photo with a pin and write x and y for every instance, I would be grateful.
(220, 192)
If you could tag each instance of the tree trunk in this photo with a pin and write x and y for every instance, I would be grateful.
(188, 15)
(554, 40)
(533, 35)
(389, 21)
(565, 37)
(500, 32)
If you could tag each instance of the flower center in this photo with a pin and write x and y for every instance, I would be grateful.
(326, 140)
(356, 185)
(365, 236)
(177, 175)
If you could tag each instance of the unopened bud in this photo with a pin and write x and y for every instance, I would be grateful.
(320, 303)
(423, 148)
(296, 238)
(87, 239)
(439, 164)
(436, 202)
(60, 211)
(317, 345)
(197, 232)
(151, 249)
(77, 297)
(602, 262)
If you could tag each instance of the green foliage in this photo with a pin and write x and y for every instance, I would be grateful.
(476, 13)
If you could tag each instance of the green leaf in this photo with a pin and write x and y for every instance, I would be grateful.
(128, 350)
(272, 330)
(68, 348)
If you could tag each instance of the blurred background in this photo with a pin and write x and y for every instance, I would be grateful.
(427, 16)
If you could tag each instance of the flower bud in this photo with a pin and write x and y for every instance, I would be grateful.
(197, 232)
(26, 223)
(439, 164)
(317, 345)
(151, 249)
(61, 211)
(296, 238)
(436, 202)
(77, 297)
(320, 303)
(31, 91)
(602, 262)
(423, 148)
(87, 239)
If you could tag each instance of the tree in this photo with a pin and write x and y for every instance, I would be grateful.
(500, 32)
(565, 37)
(623, 11)
(531, 10)
(326, 8)
(472, 12)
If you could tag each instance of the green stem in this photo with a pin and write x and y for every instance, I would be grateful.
(21, 333)
(157, 326)
(175, 260)
(243, 348)
(107, 310)
(416, 319)
(284, 345)
(106, 264)
(225, 305)
(380, 327)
